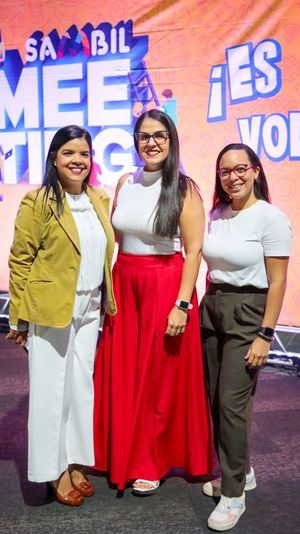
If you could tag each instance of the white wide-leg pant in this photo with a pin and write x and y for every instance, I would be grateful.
(61, 398)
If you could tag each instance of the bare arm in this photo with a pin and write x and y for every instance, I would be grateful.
(192, 221)
(277, 273)
(120, 183)
(118, 187)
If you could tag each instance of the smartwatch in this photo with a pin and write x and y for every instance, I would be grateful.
(184, 305)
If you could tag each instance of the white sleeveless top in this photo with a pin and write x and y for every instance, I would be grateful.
(134, 216)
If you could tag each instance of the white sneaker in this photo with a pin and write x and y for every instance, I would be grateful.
(227, 513)
(213, 488)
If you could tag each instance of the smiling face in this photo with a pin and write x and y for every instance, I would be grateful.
(73, 164)
(154, 153)
(239, 188)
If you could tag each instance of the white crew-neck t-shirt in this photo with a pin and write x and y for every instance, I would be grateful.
(238, 241)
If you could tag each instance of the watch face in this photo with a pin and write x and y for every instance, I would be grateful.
(184, 305)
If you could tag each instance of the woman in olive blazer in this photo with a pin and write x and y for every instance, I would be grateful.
(60, 269)
(45, 259)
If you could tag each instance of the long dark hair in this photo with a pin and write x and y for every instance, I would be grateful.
(174, 183)
(260, 187)
(51, 180)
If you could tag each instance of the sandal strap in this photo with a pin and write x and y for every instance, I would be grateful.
(152, 483)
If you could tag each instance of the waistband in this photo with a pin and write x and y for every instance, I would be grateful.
(151, 260)
(228, 288)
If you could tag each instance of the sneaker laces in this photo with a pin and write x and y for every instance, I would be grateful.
(226, 504)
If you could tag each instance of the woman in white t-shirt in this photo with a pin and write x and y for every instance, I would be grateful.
(246, 250)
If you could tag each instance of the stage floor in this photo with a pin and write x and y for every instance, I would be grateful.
(179, 506)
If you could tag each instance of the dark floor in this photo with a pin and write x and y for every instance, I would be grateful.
(179, 506)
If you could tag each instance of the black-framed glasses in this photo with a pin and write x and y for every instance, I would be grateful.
(239, 171)
(160, 137)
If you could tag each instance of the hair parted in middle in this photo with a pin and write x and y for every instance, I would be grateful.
(174, 183)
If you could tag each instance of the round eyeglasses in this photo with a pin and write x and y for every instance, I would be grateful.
(239, 171)
(160, 137)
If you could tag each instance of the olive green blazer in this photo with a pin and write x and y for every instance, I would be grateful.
(44, 260)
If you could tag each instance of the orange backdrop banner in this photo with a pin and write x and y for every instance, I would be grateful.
(224, 74)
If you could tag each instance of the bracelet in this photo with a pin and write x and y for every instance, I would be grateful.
(265, 335)
(266, 331)
(268, 339)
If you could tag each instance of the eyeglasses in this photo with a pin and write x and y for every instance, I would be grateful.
(160, 137)
(239, 171)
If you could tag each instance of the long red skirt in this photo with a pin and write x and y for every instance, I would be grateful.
(151, 408)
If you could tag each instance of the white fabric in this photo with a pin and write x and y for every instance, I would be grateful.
(238, 241)
(22, 326)
(134, 216)
(93, 241)
(61, 364)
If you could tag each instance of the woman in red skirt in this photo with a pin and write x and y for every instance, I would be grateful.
(151, 409)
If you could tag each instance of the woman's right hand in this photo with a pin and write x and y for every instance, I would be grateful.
(177, 320)
(19, 338)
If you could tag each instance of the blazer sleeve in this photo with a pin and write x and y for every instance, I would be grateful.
(26, 243)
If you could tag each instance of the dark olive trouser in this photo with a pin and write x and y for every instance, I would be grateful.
(230, 318)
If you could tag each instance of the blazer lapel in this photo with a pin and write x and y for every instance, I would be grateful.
(100, 205)
(66, 221)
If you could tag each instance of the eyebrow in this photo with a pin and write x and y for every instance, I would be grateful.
(85, 151)
(156, 131)
(237, 165)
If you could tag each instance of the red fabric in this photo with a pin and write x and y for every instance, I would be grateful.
(151, 408)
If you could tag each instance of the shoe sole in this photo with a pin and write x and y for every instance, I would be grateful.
(217, 493)
(228, 526)
(144, 492)
(208, 493)
(250, 486)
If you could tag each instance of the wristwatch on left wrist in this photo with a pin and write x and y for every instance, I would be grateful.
(184, 305)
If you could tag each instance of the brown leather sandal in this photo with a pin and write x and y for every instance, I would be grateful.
(85, 488)
(73, 498)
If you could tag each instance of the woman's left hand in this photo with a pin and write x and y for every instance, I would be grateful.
(258, 353)
(176, 322)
